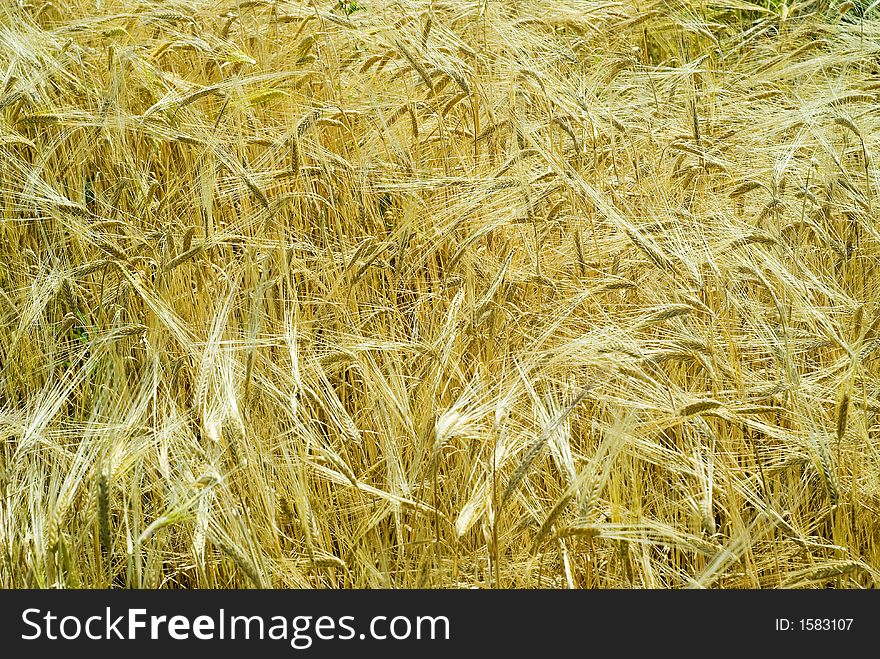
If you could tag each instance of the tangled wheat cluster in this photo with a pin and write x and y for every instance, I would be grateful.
(538, 293)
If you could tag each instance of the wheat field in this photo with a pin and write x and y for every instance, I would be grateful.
(439, 294)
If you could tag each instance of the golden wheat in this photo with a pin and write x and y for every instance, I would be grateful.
(289, 295)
